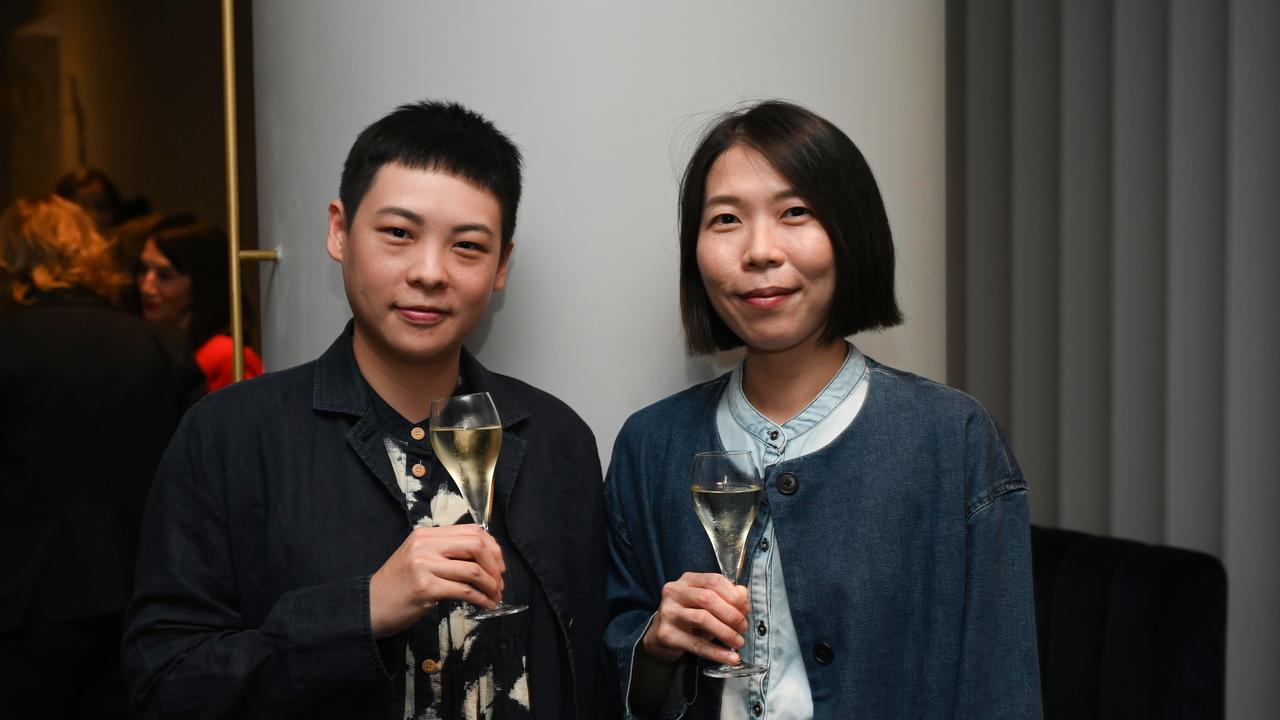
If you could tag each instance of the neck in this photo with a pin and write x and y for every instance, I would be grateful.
(782, 383)
(408, 387)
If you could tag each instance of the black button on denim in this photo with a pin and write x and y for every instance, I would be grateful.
(764, 544)
(761, 629)
(788, 484)
(757, 709)
(823, 653)
(773, 434)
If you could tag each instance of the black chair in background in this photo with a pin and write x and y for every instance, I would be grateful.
(1128, 630)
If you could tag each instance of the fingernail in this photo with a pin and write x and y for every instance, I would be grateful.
(738, 641)
(734, 659)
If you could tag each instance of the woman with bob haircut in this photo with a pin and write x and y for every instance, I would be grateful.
(87, 404)
(888, 572)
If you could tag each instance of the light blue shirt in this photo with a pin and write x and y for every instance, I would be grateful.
(782, 693)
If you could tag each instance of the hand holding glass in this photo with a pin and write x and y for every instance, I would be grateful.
(466, 435)
(726, 494)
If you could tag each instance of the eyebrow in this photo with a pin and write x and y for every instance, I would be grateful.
(472, 227)
(788, 194)
(405, 213)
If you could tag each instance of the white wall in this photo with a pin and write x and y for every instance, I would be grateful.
(605, 99)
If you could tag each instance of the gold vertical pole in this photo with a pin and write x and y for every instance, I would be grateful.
(234, 253)
(233, 185)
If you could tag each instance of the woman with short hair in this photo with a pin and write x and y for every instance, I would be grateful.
(888, 570)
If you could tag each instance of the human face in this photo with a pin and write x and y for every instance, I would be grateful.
(166, 293)
(420, 260)
(765, 260)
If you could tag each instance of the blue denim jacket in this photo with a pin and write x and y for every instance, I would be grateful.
(905, 541)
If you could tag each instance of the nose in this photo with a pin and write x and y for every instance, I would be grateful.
(763, 249)
(146, 282)
(429, 268)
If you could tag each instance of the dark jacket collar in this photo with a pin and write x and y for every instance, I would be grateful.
(339, 387)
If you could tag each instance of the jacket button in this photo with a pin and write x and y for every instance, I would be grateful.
(418, 470)
(764, 544)
(757, 709)
(430, 666)
(417, 433)
(823, 653)
(761, 629)
(788, 484)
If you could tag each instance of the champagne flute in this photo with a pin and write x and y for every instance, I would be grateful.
(466, 435)
(726, 494)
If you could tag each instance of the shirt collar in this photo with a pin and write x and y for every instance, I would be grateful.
(339, 386)
(851, 374)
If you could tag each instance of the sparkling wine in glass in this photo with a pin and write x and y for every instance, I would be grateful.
(466, 435)
(726, 494)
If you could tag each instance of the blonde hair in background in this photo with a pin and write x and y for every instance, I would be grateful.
(48, 243)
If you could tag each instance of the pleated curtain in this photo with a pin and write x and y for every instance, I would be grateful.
(1114, 276)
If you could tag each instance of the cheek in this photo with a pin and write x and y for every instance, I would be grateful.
(710, 265)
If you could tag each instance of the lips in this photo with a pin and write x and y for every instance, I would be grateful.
(422, 314)
(766, 297)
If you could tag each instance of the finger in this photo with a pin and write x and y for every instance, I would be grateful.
(470, 573)
(683, 642)
(480, 547)
(451, 590)
(701, 624)
(724, 609)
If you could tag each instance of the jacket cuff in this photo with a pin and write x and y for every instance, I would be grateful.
(330, 635)
(677, 701)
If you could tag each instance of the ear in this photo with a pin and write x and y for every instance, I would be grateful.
(500, 280)
(336, 242)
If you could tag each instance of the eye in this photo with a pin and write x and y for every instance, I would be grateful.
(795, 212)
(468, 245)
(723, 219)
(398, 233)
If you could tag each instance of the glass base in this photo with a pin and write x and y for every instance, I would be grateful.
(728, 671)
(498, 610)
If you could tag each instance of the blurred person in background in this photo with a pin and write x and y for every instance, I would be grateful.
(87, 405)
(182, 282)
(93, 191)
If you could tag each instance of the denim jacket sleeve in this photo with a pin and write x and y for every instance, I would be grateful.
(634, 583)
(189, 650)
(999, 672)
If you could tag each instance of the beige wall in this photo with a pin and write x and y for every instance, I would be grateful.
(606, 100)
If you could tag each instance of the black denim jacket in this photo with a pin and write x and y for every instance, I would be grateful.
(270, 512)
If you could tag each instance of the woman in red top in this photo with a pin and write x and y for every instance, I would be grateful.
(182, 281)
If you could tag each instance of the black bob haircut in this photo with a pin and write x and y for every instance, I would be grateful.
(432, 135)
(198, 249)
(828, 171)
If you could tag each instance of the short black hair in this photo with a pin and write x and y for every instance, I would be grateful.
(828, 171)
(434, 135)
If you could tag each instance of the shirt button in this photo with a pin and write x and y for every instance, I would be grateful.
(417, 433)
(823, 653)
(418, 470)
(764, 544)
(788, 484)
(773, 434)
(757, 709)
(761, 629)
(430, 666)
